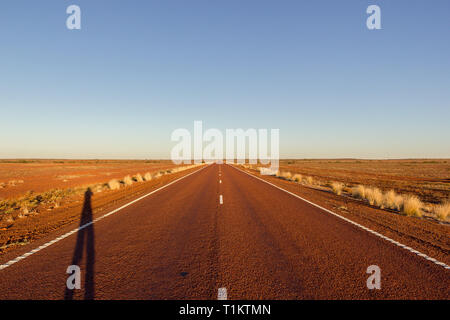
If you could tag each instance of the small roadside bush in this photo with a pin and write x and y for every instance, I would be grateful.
(114, 184)
(337, 187)
(138, 178)
(412, 206)
(127, 181)
(442, 211)
(297, 177)
(359, 192)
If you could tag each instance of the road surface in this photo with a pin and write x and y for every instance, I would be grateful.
(220, 228)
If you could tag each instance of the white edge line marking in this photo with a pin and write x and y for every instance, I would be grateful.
(221, 199)
(11, 262)
(420, 254)
(222, 294)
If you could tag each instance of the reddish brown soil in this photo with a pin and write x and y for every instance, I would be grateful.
(43, 175)
(429, 179)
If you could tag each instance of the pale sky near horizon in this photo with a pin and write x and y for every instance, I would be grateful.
(137, 70)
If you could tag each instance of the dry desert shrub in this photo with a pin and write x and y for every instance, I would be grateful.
(157, 175)
(359, 192)
(374, 196)
(442, 211)
(378, 198)
(285, 175)
(309, 180)
(297, 177)
(148, 176)
(337, 187)
(412, 206)
(114, 184)
(127, 181)
(392, 200)
(138, 178)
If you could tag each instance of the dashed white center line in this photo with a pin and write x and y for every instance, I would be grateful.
(220, 181)
(221, 199)
(222, 294)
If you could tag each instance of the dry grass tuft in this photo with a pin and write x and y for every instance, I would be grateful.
(297, 177)
(114, 184)
(138, 178)
(374, 196)
(148, 176)
(157, 175)
(359, 192)
(309, 180)
(392, 200)
(127, 181)
(442, 211)
(412, 206)
(285, 175)
(337, 187)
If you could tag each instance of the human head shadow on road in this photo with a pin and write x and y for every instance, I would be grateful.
(85, 239)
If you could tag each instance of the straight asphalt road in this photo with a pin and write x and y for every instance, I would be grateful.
(221, 228)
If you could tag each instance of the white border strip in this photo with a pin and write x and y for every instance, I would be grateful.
(420, 254)
(11, 262)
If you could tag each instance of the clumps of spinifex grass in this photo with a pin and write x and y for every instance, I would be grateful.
(442, 211)
(114, 184)
(309, 180)
(374, 196)
(127, 181)
(409, 205)
(148, 176)
(392, 200)
(337, 187)
(28, 204)
(412, 206)
(359, 192)
(138, 178)
(286, 175)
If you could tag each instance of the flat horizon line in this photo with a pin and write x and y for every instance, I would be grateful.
(224, 160)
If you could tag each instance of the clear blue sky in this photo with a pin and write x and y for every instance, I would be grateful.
(137, 70)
